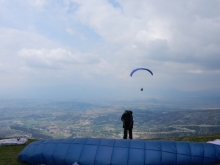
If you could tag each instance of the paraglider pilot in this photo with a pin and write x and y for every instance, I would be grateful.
(127, 119)
(141, 89)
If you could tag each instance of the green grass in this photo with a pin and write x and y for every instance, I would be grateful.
(9, 154)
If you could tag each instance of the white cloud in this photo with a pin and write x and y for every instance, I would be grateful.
(38, 3)
(197, 71)
(151, 29)
(12, 41)
(70, 31)
(102, 41)
(55, 58)
(17, 39)
(107, 21)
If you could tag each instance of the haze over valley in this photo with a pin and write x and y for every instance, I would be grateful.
(68, 119)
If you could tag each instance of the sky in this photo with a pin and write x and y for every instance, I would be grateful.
(74, 49)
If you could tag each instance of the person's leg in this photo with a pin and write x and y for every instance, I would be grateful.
(125, 134)
(130, 133)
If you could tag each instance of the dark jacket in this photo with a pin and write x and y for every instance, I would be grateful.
(127, 119)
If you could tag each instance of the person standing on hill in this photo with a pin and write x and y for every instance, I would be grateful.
(127, 119)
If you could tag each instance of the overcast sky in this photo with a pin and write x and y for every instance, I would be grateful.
(87, 48)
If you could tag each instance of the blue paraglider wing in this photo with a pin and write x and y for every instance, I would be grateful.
(98, 151)
(141, 69)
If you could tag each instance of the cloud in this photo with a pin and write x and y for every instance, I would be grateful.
(55, 58)
(38, 3)
(162, 32)
(17, 39)
(13, 40)
(100, 42)
(105, 19)
(70, 31)
(197, 71)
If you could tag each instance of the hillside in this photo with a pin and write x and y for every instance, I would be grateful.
(9, 154)
(205, 138)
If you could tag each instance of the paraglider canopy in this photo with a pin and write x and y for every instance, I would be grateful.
(141, 69)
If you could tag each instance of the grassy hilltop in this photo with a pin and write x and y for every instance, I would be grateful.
(9, 154)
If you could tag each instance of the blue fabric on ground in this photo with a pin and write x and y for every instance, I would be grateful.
(97, 151)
